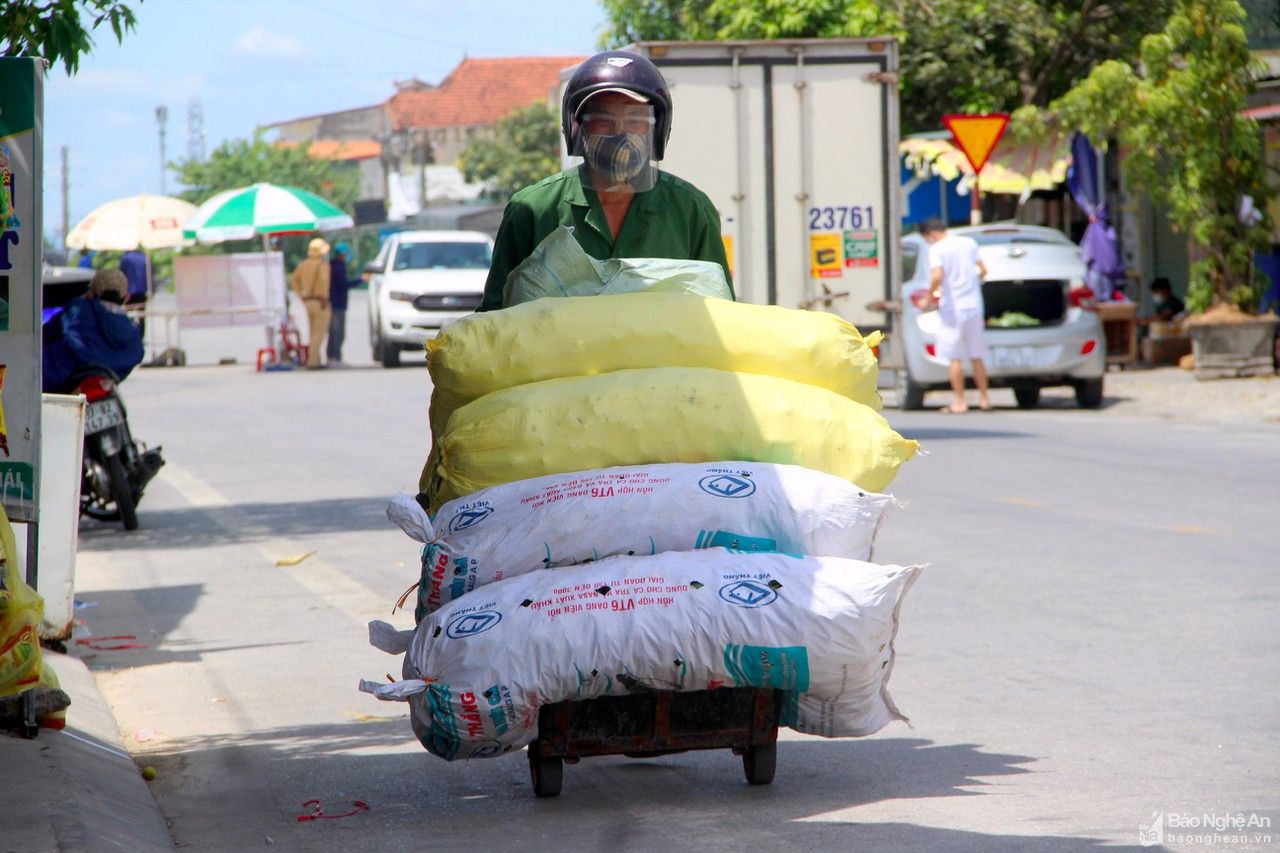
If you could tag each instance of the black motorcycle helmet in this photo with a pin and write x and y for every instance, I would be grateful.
(617, 69)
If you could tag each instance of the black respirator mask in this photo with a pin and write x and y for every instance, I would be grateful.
(618, 146)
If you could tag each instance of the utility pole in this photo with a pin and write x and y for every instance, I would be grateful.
(195, 130)
(66, 197)
(162, 117)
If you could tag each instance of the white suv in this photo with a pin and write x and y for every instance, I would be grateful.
(420, 282)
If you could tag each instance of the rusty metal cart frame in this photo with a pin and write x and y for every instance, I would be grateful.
(651, 723)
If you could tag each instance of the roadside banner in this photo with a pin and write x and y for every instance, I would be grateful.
(21, 165)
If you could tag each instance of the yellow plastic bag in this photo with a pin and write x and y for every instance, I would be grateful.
(667, 414)
(587, 335)
(21, 609)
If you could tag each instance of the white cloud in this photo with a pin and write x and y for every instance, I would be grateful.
(261, 42)
(118, 84)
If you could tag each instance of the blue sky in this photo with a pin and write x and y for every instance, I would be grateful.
(252, 62)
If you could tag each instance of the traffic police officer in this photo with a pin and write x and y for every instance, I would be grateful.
(616, 115)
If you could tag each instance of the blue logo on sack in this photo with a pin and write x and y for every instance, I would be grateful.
(469, 518)
(489, 748)
(748, 594)
(470, 624)
(727, 486)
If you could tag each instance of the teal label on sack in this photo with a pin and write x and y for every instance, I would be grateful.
(500, 708)
(443, 573)
(463, 578)
(449, 714)
(784, 668)
(776, 667)
(735, 542)
(443, 738)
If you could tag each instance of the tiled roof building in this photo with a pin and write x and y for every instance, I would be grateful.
(388, 138)
(480, 92)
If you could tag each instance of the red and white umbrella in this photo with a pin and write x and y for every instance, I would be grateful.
(137, 222)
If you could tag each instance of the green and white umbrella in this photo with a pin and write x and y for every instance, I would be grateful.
(262, 209)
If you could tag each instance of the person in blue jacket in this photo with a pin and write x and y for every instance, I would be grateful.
(92, 330)
(339, 284)
(133, 264)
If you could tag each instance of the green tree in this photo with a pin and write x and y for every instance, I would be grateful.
(525, 148)
(652, 20)
(1176, 116)
(636, 20)
(955, 55)
(998, 55)
(56, 29)
(239, 162)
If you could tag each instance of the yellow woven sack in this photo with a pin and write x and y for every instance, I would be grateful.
(667, 414)
(586, 335)
(21, 609)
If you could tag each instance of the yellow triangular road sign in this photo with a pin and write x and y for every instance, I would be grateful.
(976, 135)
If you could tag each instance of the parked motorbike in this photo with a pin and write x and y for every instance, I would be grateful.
(116, 468)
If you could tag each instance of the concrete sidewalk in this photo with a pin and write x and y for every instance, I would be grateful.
(76, 789)
(1169, 393)
(1156, 394)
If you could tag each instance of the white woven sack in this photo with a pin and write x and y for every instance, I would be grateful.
(569, 519)
(820, 629)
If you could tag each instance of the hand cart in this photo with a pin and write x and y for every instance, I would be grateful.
(659, 722)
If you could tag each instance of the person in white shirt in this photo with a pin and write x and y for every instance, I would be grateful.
(955, 276)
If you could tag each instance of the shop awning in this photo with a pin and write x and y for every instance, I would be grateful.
(1270, 112)
(1012, 169)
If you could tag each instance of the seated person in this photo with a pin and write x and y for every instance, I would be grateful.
(92, 330)
(1164, 305)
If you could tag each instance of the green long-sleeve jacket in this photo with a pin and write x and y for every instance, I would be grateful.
(672, 220)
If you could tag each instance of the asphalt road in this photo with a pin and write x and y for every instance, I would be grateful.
(1094, 641)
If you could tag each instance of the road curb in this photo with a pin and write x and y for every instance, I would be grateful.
(77, 789)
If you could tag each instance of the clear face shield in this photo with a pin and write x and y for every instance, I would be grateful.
(615, 142)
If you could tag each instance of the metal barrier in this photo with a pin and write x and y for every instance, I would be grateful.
(163, 338)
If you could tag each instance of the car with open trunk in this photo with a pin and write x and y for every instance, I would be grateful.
(1036, 337)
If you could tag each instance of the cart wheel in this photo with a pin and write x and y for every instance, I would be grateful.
(759, 763)
(547, 775)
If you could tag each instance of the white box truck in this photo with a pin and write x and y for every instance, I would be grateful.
(796, 144)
